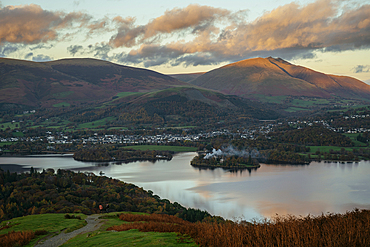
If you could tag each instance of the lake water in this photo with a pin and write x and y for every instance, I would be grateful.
(269, 190)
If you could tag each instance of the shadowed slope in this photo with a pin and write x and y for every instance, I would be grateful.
(74, 81)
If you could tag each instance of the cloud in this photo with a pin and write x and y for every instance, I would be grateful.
(73, 49)
(194, 18)
(361, 69)
(40, 46)
(30, 24)
(41, 58)
(6, 49)
(28, 55)
(214, 35)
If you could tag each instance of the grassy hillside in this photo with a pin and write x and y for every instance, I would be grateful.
(73, 81)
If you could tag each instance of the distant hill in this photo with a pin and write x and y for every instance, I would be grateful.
(186, 77)
(188, 104)
(74, 81)
(276, 77)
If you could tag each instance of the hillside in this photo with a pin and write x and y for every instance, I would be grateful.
(73, 81)
(276, 77)
(186, 77)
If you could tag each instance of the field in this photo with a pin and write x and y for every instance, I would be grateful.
(95, 124)
(11, 125)
(353, 138)
(55, 223)
(163, 148)
(52, 223)
(327, 149)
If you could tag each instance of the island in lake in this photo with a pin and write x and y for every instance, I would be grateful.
(226, 162)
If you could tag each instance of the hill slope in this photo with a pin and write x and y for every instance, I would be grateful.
(275, 77)
(73, 81)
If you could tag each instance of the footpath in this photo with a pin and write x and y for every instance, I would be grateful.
(93, 224)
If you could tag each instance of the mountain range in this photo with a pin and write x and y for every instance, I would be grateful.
(75, 81)
(81, 81)
(276, 77)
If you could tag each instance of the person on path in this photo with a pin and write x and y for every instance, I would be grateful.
(101, 208)
(106, 208)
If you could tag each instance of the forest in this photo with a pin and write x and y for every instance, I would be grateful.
(69, 192)
(120, 155)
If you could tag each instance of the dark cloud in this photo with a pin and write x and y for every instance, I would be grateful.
(28, 56)
(41, 46)
(361, 69)
(73, 49)
(42, 58)
(6, 49)
(101, 51)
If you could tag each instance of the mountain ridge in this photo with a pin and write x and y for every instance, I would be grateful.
(275, 77)
(75, 81)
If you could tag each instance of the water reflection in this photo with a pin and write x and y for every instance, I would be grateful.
(250, 194)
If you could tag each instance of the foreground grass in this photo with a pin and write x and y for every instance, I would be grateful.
(134, 237)
(163, 148)
(51, 223)
(349, 229)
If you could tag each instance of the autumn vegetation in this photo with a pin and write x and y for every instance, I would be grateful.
(70, 192)
(349, 229)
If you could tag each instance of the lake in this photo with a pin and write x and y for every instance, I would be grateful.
(264, 192)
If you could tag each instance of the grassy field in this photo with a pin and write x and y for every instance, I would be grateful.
(55, 223)
(163, 148)
(5, 143)
(95, 124)
(127, 238)
(270, 99)
(52, 223)
(309, 103)
(327, 149)
(295, 109)
(11, 125)
(353, 138)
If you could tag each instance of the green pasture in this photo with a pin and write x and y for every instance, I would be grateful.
(353, 137)
(2, 144)
(95, 124)
(162, 148)
(295, 109)
(56, 223)
(124, 238)
(125, 94)
(11, 125)
(326, 149)
(309, 103)
(270, 99)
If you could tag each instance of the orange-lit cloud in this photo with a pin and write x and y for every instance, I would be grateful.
(194, 18)
(30, 24)
(289, 31)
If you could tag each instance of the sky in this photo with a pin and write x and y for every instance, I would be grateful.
(330, 36)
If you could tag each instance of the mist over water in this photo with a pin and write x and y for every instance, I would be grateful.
(250, 194)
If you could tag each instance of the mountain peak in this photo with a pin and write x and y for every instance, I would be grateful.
(275, 77)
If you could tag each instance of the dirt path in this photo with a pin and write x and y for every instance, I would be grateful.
(93, 224)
